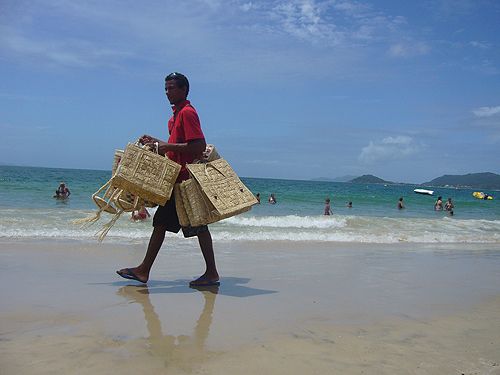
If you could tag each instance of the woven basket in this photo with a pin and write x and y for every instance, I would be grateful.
(104, 205)
(112, 203)
(140, 178)
(116, 161)
(179, 207)
(126, 198)
(198, 207)
(146, 174)
(222, 191)
(190, 204)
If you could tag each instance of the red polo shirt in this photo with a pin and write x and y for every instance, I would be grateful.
(184, 127)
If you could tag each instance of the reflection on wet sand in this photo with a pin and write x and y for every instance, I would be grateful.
(181, 352)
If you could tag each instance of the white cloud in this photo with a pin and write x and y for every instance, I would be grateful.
(486, 111)
(480, 44)
(408, 49)
(334, 23)
(214, 4)
(450, 8)
(389, 148)
(305, 20)
(322, 37)
(247, 6)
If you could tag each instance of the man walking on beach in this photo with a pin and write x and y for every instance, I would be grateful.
(185, 144)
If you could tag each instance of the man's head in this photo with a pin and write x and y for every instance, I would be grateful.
(176, 87)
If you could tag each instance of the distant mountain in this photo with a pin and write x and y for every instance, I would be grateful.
(369, 179)
(334, 179)
(486, 180)
(322, 179)
(345, 178)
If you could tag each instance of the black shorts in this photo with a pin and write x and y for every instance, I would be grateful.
(167, 216)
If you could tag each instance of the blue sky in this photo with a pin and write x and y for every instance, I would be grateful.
(405, 90)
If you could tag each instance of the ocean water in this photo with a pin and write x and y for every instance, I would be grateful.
(29, 211)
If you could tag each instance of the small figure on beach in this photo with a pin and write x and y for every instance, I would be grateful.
(257, 196)
(449, 206)
(349, 204)
(185, 144)
(401, 204)
(140, 215)
(328, 208)
(272, 199)
(62, 191)
(438, 206)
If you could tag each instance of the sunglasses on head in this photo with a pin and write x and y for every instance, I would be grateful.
(175, 75)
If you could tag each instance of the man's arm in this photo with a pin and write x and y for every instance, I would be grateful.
(195, 147)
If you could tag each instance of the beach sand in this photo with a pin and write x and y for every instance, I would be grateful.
(282, 308)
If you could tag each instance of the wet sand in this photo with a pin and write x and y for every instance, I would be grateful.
(282, 308)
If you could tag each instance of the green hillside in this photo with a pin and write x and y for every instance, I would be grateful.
(486, 180)
(369, 179)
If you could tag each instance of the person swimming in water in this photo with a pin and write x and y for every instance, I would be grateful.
(62, 191)
(272, 199)
(140, 215)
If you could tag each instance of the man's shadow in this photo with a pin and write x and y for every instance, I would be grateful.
(230, 286)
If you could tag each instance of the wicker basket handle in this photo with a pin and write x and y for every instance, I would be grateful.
(155, 149)
(214, 167)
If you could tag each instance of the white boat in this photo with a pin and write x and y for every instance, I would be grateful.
(424, 191)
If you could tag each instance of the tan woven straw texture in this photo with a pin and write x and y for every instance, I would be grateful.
(116, 160)
(198, 208)
(126, 198)
(193, 208)
(146, 174)
(223, 192)
(179, 207)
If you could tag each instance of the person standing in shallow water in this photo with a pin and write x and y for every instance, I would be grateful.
(438, 206)
(449, 206)
(328, 208)
(185, 144)
(401, 204)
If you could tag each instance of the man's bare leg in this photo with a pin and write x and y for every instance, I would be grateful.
(141, 272)
(211, 275)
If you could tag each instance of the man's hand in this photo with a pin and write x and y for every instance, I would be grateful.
(154, 144)
(162, 147)
(148, 140)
